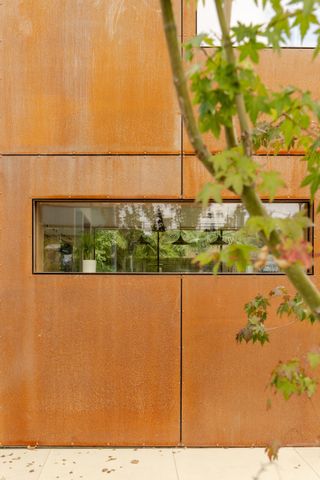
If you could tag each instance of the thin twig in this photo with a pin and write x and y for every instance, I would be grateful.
(271, 329)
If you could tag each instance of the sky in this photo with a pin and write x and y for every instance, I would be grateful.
(246, 12)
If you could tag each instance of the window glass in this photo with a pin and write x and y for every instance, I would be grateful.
(207, 21)
(136, 237)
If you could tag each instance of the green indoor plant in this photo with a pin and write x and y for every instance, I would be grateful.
(87, 248)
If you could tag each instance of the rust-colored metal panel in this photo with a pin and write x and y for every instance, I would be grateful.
(89, 360)
(224, 384)
(86, 77)
(214, 144)
(189, 19)
(85, 359)
(292, 169)
(293, 66)
(95, 176)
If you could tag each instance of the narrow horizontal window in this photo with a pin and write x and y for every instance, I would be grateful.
(207, 21)
(140, 237)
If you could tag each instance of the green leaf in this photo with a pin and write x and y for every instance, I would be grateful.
(207, 257)
(195, 68)
(270, 183)
(196, 42)
(235, 181)
(239, 255)
(313, 178)
(248, 50)
(310, 386)
(290, 378)
(294, 227)
(256, 224)
(314, 359)
(221, 162)
(208, 192)
(255, 330)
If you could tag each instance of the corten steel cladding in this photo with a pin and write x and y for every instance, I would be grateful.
(85, 359)
(95, 359)
(225, 385)
(86, 77)
(293, 66)
(91, 360)
(292, 170)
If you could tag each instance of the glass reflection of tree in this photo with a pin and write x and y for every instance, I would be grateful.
(222, 224)
(157, 237)
(157, 221)
(165, 237)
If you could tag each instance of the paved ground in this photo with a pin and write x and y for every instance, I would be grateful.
(157, 464)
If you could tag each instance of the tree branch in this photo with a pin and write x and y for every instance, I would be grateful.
(180, 83)
(249, 197)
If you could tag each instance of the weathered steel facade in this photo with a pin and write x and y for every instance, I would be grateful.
(88, 111)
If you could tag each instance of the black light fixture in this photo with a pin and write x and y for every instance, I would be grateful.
(219, 240)
(142, 240)
(158, 227)
(180, 240)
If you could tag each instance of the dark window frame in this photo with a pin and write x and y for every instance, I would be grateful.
(310, 233)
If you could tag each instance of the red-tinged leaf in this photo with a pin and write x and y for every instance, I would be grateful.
(272, 450)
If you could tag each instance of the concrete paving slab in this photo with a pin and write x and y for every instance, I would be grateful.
(158, 464)
(22, 463)
(311, 455)
(241, 464)
(117, 464)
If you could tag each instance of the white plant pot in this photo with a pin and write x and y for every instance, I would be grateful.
(89, 266)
